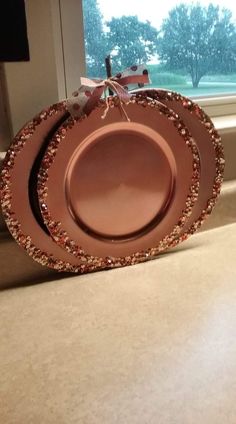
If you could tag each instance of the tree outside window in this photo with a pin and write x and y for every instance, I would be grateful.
(193, 50)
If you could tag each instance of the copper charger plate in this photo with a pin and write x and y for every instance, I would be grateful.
(18, 200)
(210, 150)
(115, 192)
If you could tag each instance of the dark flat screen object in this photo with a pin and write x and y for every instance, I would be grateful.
(14, 44)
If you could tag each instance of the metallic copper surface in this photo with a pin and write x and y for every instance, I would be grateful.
(86, 197)
(119, 170)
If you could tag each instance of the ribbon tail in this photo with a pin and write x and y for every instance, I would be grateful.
(134, 79)
(84, 100)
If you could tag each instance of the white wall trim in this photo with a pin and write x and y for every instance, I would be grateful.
(68, 19)
(58, 48)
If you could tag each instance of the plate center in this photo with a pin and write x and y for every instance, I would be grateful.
(120, 184)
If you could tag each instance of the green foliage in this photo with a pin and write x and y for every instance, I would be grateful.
(204, 90)
(198, 40)
(224, 78)
(167, 78)
(131, 41)
(162, 79)
(95, 39)
(193, 40)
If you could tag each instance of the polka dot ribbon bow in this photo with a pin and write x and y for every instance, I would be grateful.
(88, 95)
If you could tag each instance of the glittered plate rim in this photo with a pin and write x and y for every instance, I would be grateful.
(13, 224)
(55, 227)
(194, 108)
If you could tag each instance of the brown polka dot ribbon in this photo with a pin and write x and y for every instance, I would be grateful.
(88, 95)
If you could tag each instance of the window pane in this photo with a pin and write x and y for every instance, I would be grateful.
(189, 47)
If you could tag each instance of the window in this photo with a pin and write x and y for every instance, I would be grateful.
(189, 47)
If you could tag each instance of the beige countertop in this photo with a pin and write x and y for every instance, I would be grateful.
(149, 344)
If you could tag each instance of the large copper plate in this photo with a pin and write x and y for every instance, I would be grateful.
(18, 202)
(115, 192)
(210, 150)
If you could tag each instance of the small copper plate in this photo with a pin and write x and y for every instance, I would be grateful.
(115, 189)
(120, 181)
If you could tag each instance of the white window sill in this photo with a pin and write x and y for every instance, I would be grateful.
(218, 106)
(225, 123)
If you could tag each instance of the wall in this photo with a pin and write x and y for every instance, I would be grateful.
(33, 85)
